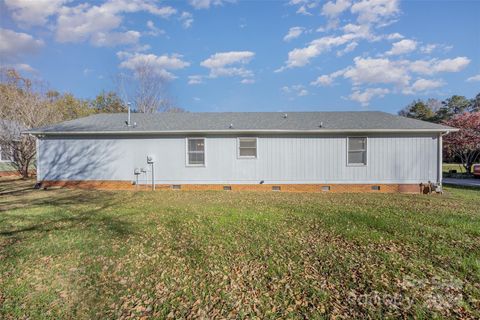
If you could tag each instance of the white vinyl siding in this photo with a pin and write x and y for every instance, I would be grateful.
(247, 148)
(357, 151)
(196, 152)
(392, 158)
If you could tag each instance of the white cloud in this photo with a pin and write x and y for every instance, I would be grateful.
(348, 48)
(293, 33)
(297, 90)
(33, 12)
(195, 79)
(14, 45)
(304, 6)
(399, 73)
(247, 81)
(303, 10)
(423, 85)
(474, 78)
(223, 59)
(327, 79)
(296, 2)
(372, 70)
(87, 71)
(428, 48)
(160, 64)
(97, 23)
(323, 80)
(435, 66)
(378, 12)
(302, 93)
(394, 36)
(402, 47)
(230, 72)
(226, 64)
(364, 97)
(396, 73)
(300, 57)
(154, 31)
(205, 4)
(333, 9)
(24, 67)
(103, 39)
(187, 19)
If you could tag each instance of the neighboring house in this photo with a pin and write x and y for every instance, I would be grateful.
(9, 131)
(295, 151)
(5, 154)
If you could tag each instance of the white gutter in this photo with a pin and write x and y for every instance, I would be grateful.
(170, 132)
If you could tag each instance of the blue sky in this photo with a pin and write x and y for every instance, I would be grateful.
(218, 55)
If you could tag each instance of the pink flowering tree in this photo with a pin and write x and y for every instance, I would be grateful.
(464, 144)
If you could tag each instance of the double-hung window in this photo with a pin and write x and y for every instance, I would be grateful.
(247, 148)
(196, 152)
(357, 151)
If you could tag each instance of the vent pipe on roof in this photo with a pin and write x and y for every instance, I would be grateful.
(321, 124)
(128, 120)
(285, 116)
(231, 126)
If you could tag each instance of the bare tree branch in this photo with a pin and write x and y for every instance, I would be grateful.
(21, 108)
(147, 89)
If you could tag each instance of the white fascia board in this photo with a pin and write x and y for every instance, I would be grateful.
(172, 132)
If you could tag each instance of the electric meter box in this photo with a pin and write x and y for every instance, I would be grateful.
(150, 159)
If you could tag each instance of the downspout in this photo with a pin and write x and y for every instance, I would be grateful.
(37, 153)
(37, 156)
(440, 159)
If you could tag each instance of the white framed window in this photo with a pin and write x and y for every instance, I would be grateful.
(247, 148)
(357, 151)
(4, 155)
(195, 152)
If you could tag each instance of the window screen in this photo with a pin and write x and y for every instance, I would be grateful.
(357, 150)
(196, 151)
(247, 147)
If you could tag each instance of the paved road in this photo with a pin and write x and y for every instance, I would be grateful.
(462, 182)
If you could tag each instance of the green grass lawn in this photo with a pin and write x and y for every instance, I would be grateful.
(453, 166)
(96, 255)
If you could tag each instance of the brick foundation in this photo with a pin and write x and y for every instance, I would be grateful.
(335, 188)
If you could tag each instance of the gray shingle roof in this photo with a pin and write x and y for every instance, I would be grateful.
(241, 122)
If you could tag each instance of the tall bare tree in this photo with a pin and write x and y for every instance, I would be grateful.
(21, 107)
(147, 88)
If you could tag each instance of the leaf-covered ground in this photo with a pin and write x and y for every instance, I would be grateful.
(170, 254)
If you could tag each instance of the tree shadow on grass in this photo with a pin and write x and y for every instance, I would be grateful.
(63, 210)
(15, 186)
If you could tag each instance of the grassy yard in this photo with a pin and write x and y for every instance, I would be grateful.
(90, 254)
(453, 166)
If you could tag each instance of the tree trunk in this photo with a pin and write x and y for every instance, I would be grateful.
(468, 167)
(25, 170)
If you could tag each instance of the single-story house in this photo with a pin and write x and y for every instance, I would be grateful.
(294, 151)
